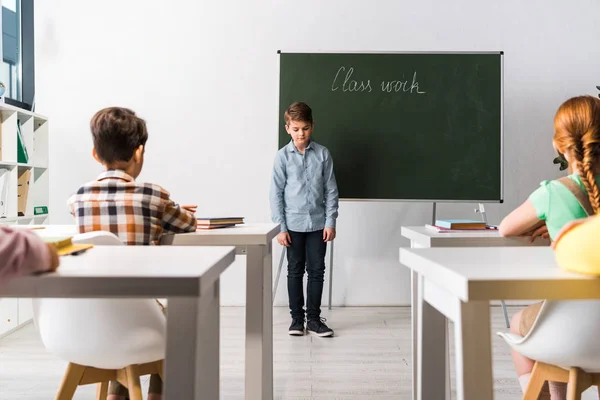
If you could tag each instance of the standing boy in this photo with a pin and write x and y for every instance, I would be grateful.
(304, 201)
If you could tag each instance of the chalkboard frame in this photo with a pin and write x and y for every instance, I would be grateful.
(500, 53)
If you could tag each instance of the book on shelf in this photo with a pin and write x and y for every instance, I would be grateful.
(22, 154)
(64, 245)
(460, 224)
(23, 192)
(439, 229)
(4, 183)
(219, 222)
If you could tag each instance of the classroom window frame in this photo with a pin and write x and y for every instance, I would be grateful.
(23, 92)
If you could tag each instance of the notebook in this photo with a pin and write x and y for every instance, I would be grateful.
(64, 245)
(438, 229)
(220, 220)
(460, 224)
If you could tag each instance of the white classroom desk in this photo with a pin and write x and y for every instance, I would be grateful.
(456, 287)
(187, 277)
(254, 241)
(422, 237)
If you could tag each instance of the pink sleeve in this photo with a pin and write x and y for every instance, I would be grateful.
(22, 252)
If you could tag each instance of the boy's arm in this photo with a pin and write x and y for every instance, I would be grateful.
(71, 205)
(178, 220)
(330, 193)
(276, 195)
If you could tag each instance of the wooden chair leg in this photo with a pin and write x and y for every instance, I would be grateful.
(536, 382)
(133, 382)
(161, 373)
(579, 381)
(70, 381)
(102, 391)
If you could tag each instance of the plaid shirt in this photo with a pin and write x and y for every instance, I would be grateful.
(138, 213)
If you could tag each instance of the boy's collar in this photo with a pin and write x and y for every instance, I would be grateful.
(292, 147)
(116, 174)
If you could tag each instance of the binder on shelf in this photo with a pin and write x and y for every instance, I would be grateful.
(22, 155)
(23, 192)
(40, 210)
(0, 141)
(4, 183)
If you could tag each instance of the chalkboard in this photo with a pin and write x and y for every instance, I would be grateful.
(403, 126)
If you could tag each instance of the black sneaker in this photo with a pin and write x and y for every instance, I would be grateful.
(297, 327)
(318, 327)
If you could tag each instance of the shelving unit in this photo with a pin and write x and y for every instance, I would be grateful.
(34, 130)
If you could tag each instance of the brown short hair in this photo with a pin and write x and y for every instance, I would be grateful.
(298, 111)
(117, 133)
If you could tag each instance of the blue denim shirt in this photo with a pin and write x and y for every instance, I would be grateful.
(304, 194)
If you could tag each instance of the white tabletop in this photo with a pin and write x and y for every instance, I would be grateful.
(429, 238)
(240, 235)
(495, 273)
(128, 271)
(244, 234)
(50, 230)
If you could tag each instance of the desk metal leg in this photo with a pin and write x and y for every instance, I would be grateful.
(432, 351)
(192, 353)
(414, 282)
(283, 251)
(505, 311)
(330, 273)
(259, 323)
(472, 335)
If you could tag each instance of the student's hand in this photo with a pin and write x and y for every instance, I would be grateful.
(190, 207)
(567, 228)
(284, 239)
(542, 232)
(328, 234)
(54, 260)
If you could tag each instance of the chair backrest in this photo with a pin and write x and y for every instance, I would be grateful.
(101, 333)
(99, 238)
(565, 334)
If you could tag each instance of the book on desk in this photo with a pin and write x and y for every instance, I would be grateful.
(218, 222)
(64, 245)
(461, 226)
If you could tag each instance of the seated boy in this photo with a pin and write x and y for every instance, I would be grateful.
(138, 213)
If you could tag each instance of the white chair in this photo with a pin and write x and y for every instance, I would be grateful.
(102, 339)
(564, 342)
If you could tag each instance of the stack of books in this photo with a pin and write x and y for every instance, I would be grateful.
(221, 222)
(457, 225)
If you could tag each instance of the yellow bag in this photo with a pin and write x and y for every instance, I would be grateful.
(579, 249)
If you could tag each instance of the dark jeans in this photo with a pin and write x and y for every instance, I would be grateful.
(306, 253)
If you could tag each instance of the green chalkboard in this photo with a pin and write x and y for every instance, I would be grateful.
(404, 126)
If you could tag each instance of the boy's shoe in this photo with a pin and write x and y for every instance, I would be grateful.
(297, 327)
(318, 327)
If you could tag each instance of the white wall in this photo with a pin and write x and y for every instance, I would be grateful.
(204, 75)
